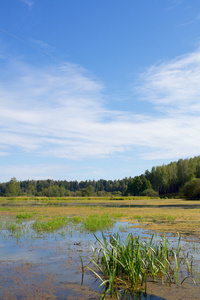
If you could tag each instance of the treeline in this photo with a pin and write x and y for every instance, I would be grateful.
(167, 179)
(161, 180)
(61, 188)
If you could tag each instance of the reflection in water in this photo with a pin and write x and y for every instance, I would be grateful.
(140, 296)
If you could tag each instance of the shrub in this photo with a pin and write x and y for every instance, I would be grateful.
(191, 189)
(150, 193)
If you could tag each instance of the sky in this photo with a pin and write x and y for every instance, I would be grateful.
(97, 89)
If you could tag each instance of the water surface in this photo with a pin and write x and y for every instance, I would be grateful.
(48, 266)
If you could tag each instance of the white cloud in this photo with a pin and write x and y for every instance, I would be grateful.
(174, 86)
(60, 111)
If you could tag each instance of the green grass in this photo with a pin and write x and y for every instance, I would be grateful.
(98, 222)
(13, 229)
(94, 222)
(76, 219)
(91, 223)
(118, 215)
(128, 265)
(24, 216)
(50, 225)
(21, 227)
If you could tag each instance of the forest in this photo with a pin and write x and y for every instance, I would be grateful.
(176, 179)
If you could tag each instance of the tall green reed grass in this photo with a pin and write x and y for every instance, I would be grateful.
(128, 265)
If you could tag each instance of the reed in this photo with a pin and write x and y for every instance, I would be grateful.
(128, 265)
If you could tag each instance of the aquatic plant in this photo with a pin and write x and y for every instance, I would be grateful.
(24, 216)
(128, 265)
(50, 225)
(98, 222)
(76, 219)
(12, 229)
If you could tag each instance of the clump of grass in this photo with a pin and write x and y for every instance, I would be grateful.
(98, 222)
(128, 265)
(94, 222)
(76, 219)
(24, 216)
(51, 225)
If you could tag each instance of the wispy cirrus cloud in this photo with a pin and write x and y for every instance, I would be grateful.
(60, 111)
(173, 86)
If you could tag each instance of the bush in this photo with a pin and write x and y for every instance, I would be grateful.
(150, 193)
(191, 189)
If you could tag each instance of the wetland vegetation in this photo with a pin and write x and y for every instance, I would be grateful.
(168, 215)
(30, 220)
(127, 265)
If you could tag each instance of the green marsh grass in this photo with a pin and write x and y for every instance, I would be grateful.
(91, 223)
(76, 219)
(94, 222)
(24, 216)
(13, 229)
(98, 222)
(30, 224)
(51, 225)
(128, 265)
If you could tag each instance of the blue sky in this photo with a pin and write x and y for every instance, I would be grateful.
(93, 89)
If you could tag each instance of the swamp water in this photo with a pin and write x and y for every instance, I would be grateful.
(48, 265)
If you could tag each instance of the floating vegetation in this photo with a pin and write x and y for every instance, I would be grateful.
(129, 265)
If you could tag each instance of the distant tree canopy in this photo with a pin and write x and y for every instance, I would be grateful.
(182, 176)
(63, 188)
